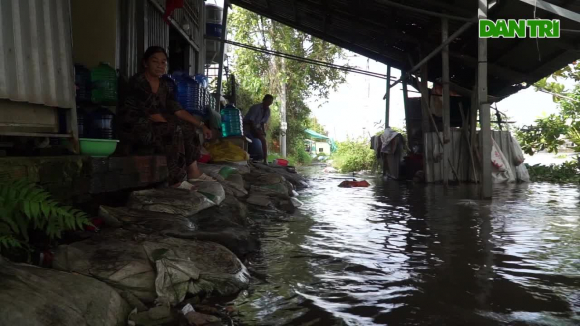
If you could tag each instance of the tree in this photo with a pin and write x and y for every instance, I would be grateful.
(258, 73)
(550, 132)
(316, 126)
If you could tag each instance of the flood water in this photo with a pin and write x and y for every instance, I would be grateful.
(404, 254)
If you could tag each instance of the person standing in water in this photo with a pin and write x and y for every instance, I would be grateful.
(151, 117)
(255, 128)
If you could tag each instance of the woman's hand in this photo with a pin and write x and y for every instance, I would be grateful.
(206, 132)
(157, 118)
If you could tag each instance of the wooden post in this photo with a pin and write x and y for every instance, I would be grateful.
(425, 122)
(388, 97)
(446, 101)
(484, 116)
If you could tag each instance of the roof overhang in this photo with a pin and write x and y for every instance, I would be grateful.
(384, 30)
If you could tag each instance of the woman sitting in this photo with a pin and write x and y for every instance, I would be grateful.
(151, 117)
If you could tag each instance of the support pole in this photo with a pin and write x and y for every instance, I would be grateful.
(427, 157)
(406, 106)
(484, 116)
(221, 56)
(446, 101)
(283, 113)
(388, 98)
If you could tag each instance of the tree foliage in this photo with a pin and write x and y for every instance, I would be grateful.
(258, 73)
(550, 132)
(316, 126)
(354, 155)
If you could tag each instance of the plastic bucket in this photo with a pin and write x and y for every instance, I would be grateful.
(281, 162)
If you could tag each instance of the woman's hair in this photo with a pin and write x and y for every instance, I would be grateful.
(150, 52)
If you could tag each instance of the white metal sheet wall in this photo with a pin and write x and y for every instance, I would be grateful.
(36, 52)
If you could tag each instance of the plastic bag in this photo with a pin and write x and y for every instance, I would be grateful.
(155, 268)
(225, 151)
(517, 153)
(497, 158)
(522, 174)
(501, 170)
(212, 190)
(170, 200)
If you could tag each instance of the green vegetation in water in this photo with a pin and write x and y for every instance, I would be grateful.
(24, 206)
(564, 173)
(353, 156)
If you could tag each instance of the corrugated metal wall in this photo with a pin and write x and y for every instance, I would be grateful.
(130, 36)
(36, 63)
(460, 155)
(156, 29)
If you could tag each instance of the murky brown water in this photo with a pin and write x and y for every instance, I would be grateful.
(400, 254)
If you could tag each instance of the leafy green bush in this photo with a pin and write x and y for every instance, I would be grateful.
(23, 205)
(353, 155)
(301, 156)
(564, 173)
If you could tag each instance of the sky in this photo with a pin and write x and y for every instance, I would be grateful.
(354, 108)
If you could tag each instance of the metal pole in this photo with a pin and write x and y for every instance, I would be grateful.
(446, 100)
(484, 116)
(388, 98)
(436, 51)
(221, 55)
(283, 113)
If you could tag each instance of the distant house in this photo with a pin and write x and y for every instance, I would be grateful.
(319, 144)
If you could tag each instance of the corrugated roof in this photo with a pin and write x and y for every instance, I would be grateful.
(398, 37)
(36, 63)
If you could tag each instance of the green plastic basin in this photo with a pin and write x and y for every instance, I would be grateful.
(98, 147)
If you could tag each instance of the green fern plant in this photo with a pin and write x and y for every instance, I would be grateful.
(24, 205)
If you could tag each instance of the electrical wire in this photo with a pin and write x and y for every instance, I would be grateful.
(302, 59)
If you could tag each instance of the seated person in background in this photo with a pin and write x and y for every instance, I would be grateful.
(151, 117)
(254, 128)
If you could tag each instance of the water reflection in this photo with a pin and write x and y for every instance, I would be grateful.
(397, 253)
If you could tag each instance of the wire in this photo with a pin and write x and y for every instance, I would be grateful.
(302, 59)
(537, 39)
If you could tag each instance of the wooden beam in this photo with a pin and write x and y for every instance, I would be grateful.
(423, 11)
(484, 116)
(437, 50)
(446, 101)
(562, 12)
(495, 69)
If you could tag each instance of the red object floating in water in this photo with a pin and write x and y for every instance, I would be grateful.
(354, 184)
